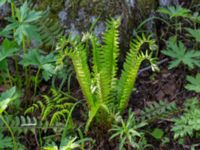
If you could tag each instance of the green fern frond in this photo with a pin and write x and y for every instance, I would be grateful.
(110, 53)
(55, 106)
(157, 110)
(26, 124)
(50, 30)
(130, 69)
(58, 115)
(38, 105)
(188, 122)
(79, 59)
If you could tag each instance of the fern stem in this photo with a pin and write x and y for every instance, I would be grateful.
(13, 9)
(11, 132)
(67, 121)
(36, 81)
(15, 57)
(9, 77)
(26, 68)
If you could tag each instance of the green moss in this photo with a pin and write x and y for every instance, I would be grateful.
(146, 6)
(54, 5)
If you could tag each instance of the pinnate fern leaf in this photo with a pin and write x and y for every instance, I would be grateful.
(130, 69)
(189, 121)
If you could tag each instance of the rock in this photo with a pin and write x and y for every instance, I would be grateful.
(130, 4)
(164, 2)
(73, 31)
(99, 29)
(4, 10)
(168, 2)
(62, 16)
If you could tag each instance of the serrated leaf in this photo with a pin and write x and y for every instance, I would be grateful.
(179, 55)
(22, 24)
(7, 49)
(173, 11)
(195, 33)
(31, 58)
(5, 142)
(194, 83)
(48, 71)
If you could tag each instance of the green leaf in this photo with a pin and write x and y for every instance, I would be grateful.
(35, 58)
(3, 65)
(195, 33)
(194, 83)
(6, 98)
(32, 58)
(7, 49)
(92, 114)
(48, 71)
(2, 2)
(23, 24)
(179, 54)
(69, 144)
(5, 142)
(157, 133)
(173, 12)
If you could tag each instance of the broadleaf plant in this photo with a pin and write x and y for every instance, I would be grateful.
(7, 49)
(194, 33)
(43, 63)
(101, 87)
(174, 12)
(5, 99)
(127, 131)
(194, 83)
(180, 55)
(22, 24)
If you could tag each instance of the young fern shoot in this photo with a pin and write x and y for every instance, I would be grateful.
(100, 85)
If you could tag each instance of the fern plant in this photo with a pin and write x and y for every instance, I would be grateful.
(158, 110)
(49, 29)
(189, 121)
(5, 142)
(57, 106)
(101, 87)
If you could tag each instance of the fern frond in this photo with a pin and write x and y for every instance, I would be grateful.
(96, 53)
(79, 59)
(38, 105)
(157, 110)
(110, 53)
(50, 30)
(188, 122)
(55, 106)
(130, 69)
(58, 115)
(47, 111)
(24, 124)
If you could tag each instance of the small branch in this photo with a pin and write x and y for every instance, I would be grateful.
(149, 67)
